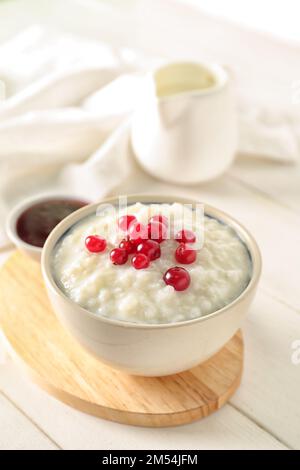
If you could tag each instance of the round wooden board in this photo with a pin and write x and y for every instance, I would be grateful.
(59, 364)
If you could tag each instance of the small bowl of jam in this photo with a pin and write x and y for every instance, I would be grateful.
(30, 222)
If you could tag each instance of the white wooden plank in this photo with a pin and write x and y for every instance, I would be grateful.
(71, 429)
(281, 182)
(71, 413)
(270, 388)
(266, 218)
(276, 230)
(158, 27)
(4, 254)
(204, 37)
(18, 432)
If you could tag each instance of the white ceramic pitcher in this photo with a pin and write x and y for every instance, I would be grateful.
(184, 129)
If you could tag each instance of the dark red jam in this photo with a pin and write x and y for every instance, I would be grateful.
(36, 222)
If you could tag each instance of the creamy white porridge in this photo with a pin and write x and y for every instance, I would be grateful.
(219, 274)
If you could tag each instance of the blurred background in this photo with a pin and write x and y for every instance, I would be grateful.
(277, 17)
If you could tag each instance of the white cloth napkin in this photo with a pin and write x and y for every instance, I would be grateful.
(65, 123)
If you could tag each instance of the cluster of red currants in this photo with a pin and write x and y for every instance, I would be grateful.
(143, 242)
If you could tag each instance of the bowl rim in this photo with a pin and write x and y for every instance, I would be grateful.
(73, 218)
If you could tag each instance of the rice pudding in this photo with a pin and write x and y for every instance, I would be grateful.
(90, 271)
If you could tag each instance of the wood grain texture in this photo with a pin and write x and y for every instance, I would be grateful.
(60, 365)
(271, 379)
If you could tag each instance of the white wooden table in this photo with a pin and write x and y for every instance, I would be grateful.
(265, 412)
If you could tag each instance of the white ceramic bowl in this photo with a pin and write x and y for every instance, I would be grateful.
(11, 222)
(147, 349)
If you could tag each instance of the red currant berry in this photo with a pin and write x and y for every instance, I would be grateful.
(127, 245)
(95, 244)
(160, 218)
(185, 255)
(178, 278)
(157, 231)
(185, 236)
(125, 221)
(137, 232)
(140, 261)
(149, 248)
(118, 256)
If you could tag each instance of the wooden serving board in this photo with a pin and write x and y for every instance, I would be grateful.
(61, 366)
